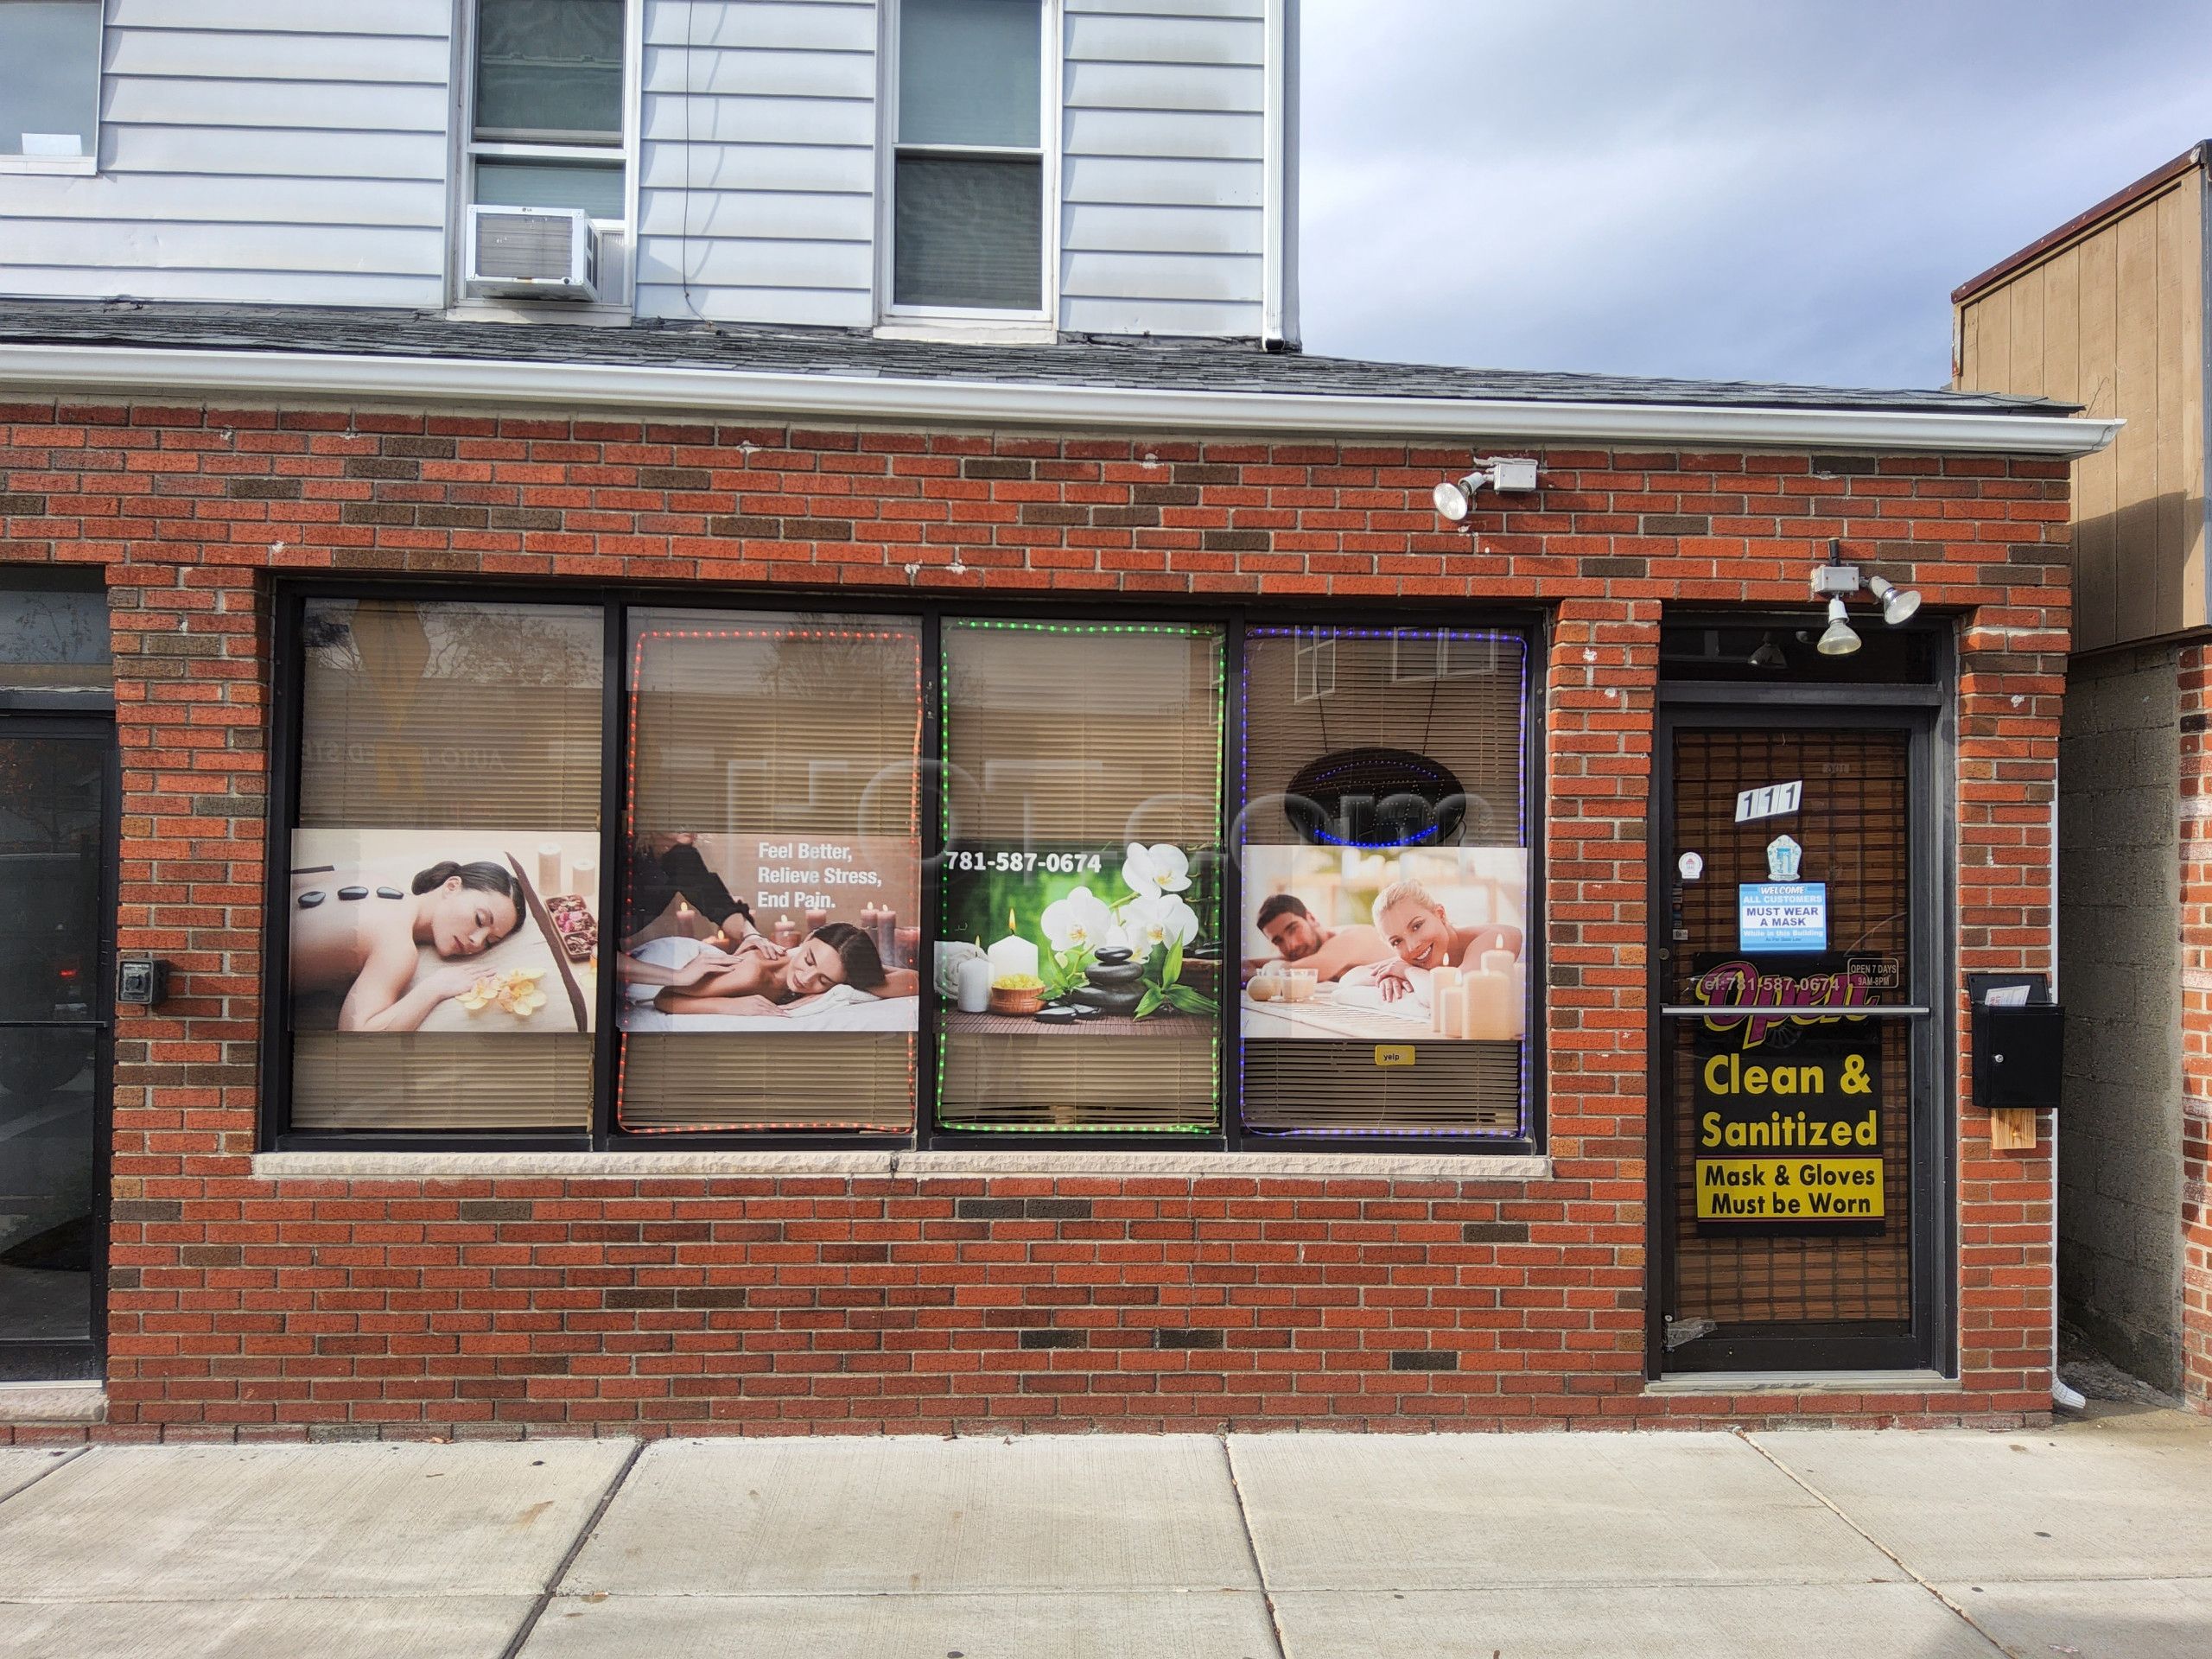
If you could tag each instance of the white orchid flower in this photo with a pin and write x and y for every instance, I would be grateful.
(1078, 922)
(1164, 919)
(1151, 871)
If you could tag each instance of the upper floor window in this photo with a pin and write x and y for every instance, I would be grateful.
(50, 83)
(548, 130)
(968, 190)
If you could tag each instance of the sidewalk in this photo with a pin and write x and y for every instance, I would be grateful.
(2094, 1538)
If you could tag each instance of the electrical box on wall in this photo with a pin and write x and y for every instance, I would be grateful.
(142, 981)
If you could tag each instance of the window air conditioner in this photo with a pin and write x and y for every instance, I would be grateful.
(540, 253)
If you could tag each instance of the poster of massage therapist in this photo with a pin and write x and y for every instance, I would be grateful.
(771, 933)
(1070, 936)
(444, 929)
(1422, 944)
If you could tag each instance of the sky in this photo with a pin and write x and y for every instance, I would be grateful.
(1782, 190)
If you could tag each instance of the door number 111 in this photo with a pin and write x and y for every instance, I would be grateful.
(1775, 801)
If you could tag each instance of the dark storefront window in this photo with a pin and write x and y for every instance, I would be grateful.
(964, 878)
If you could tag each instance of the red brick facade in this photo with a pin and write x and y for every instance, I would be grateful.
(792, 1303)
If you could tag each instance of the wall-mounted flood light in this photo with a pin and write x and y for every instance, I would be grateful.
(1839, 639)
(1506, 475)
(1897, 603)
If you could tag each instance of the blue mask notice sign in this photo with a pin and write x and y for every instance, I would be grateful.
(1772, 917)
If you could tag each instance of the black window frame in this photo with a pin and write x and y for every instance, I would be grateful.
(286, 668)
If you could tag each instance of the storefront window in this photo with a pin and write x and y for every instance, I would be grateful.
(54, 633)
(1385, 861)
(447, 841)
(770, 910)
(1079, 961)
(910, 876)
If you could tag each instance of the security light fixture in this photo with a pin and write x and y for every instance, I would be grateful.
(1768, 655)
(1838, 639)
(1897, 603)
(1507, 474)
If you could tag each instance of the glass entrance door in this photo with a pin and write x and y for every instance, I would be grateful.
(1793, 1045)
(56, 805)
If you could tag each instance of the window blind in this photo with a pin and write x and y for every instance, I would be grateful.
(760, 735)
(421, 715)
(1458, 698)
(1076, 739)
(448, 717)
(456, 1082)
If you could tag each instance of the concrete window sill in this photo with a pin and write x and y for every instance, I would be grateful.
(925, 1166)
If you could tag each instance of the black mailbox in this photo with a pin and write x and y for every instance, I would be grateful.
(2018, 1055)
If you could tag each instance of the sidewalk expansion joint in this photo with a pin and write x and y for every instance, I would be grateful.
(529, 1625)
(1252, 1547)
(59, 1461)
(1836, 1510)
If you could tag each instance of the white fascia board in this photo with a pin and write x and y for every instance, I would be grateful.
(739, 394)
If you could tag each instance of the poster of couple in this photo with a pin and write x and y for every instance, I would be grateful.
(1423, 944)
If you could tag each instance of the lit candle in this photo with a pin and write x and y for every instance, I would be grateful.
(1443, 997)
(786, 932)
(815, 918)
(1013, 956)
(974, 981)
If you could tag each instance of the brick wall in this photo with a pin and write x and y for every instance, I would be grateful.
(448, 1305)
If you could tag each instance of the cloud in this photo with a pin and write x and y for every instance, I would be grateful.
(1710, 187)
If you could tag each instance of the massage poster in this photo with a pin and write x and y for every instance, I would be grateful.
(1349, 944)
(1068, 937)
(396, 931)
(772, 933)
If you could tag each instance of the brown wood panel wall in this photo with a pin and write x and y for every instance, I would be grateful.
(2113, 320)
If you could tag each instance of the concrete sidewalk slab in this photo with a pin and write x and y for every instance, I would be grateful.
(2097, 1618)
(1478, 1511)
(2080, 1502)
(459, 1627)
(1051, 1512)
(1150, 1624)
(1808, 1621)
(238, 1523)
(19, 1466)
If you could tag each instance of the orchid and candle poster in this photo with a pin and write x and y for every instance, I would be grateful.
(1422, 945)
(1069, 938)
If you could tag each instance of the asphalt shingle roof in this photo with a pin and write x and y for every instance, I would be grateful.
(1135, 363)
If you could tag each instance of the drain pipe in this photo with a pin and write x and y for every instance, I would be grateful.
(2065, 1398)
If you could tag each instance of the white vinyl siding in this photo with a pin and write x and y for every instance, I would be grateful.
(758, 184)
(1164, 176)
(303, 152)
(252, 151)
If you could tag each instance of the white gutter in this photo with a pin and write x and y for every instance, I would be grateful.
(750, 394)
